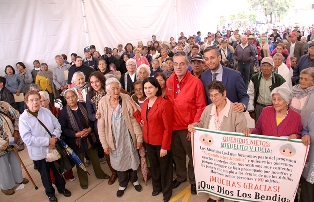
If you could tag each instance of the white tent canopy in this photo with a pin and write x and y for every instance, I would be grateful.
(41, 29)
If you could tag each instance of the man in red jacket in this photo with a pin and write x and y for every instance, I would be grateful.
(187, 95)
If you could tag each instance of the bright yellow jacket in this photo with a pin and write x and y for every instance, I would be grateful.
(43, 83)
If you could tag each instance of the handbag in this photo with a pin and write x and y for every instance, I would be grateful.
(19, 145)
(65, 163)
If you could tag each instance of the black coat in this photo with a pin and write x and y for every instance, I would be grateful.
(68, 132)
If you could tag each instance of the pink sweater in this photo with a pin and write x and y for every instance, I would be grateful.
(266, 124)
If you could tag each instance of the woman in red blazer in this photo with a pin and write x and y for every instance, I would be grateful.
(157, 116)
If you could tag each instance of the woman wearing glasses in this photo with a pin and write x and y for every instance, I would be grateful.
(219, 116)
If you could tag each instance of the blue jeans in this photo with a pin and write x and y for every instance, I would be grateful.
(244, 69)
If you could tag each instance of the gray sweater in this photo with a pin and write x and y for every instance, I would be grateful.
(14, 83)
(245, 55)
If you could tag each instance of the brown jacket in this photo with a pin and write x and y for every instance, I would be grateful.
(104, 123)
(235, 122)
(298, 49)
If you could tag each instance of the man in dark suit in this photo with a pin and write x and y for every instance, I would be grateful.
(295, 47)
(236, 90)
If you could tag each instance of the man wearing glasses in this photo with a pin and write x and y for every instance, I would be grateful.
(186, 93)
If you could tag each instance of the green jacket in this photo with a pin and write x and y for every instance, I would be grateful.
(277, 80)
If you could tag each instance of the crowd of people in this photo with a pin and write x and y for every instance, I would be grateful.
(107, 107)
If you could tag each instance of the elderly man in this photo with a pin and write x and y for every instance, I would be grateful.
(187, 95)
(310, 37)
(79, 67)
(244, 54)
(197, 64)
(129, 77)
(305, 44)
(295, 47)
(260, 87)
(60, 73)
(226, 54)
(304, 62)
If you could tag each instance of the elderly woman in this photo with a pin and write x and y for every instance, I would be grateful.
(282, 69)
(303, 95)
(14, 83)
(79, 135)
(95, 93)
(279, 119)
(143, 72)
(307, 178)
(45, 103)
(161, 78)
(163, 56)
(157, 116)
(139, 58)
(81, 87)
(219, 116)
(10, 167)
(120, 135)
(26, 76)
(38, 140)
(44, 79)
(281, 48)
(138, 95)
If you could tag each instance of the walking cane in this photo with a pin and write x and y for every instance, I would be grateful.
(18, 156)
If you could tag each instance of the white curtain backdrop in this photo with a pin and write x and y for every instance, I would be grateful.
(41, 29)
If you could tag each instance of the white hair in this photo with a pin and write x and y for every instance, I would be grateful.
(73, 90)
(279, 55)
(75, 75)
(145, 66)
(130, 60)
(44, 94)
(111, 81)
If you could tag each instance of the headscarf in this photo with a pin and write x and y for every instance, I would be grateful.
(299, 93)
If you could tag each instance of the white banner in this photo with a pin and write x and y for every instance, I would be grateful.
(255, 168)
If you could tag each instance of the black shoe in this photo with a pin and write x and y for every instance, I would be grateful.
(211, 200)
(176, 183)
(53, 199)
(138, 187)
(84, 186)
(166, 199)
(65, 193)
(193, 189)
(120, 193)
(155, 193)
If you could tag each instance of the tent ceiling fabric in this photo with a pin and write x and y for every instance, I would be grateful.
(42, 29)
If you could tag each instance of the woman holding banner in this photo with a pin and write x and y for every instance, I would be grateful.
(219, 116)
(278, 119)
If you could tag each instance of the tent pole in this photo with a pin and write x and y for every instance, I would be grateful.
(85, 23)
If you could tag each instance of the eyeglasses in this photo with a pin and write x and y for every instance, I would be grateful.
(34, 100)
(131, 65)
(217, 95)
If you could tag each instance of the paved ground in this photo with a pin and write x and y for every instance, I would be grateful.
(99, 190)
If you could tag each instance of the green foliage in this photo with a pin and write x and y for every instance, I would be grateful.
(271, 7)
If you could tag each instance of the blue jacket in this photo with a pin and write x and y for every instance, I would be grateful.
(234, 84)
(303, 63)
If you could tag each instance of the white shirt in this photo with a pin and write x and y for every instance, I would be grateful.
(132, 77)
(292, 49)
(216, 120)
